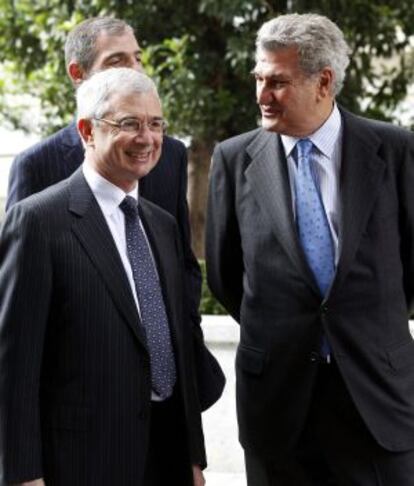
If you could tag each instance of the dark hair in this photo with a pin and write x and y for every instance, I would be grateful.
(80, 43)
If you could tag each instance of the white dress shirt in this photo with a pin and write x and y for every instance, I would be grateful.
(327, 164)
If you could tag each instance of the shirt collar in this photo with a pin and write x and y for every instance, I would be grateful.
(108, 195)
(324, 138)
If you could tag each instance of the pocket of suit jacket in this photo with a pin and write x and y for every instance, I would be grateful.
(402, 356)
(249, 359)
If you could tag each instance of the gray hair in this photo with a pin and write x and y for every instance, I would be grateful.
(319, 41)
(80, 45)
(93, 97)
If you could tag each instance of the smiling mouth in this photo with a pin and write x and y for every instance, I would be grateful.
(140, 156)
(269, 111)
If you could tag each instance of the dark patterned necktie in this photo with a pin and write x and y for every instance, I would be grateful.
(153, 314)
(313, 226)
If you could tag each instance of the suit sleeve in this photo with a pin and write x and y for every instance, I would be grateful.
(189, 369)
(224, 257)
(407, 222)
(210, 377)
(22, 180)
(192, 268)
(25, 288)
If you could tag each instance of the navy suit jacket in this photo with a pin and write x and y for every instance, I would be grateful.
(59, 155)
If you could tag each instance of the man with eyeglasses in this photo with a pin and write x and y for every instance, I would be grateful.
(94, 45)
(133, 125)
(97, 362)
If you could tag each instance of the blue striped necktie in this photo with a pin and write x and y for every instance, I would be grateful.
(312, 222)
(151, 303)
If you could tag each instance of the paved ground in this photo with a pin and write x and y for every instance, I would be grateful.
(224, 454)
(224, 479)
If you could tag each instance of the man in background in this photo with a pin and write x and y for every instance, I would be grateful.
(94, 45)
(96, 355)
(310, 246)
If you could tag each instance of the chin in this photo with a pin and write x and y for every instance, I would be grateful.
(270, 124)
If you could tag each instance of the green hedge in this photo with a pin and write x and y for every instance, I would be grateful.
(209, 304)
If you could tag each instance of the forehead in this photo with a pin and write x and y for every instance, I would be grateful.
(125, 42)
(136, 104)
(277, 62)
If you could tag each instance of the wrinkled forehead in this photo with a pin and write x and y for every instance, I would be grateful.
(106, 40)
(108, 46)
(135, 104)
(275, 62)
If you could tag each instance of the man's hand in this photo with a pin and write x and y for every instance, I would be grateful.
(36, 482)
(198, 476)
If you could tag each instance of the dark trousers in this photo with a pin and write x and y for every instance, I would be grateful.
(168, 461)
(335, 449)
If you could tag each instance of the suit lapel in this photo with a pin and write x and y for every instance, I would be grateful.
(361, 175)
(93, 233)
(268, 177)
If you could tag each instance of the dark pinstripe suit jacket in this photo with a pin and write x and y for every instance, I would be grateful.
(58, 156)
(75, 382)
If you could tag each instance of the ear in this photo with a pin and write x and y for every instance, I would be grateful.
(325, 84)
(76, 73)
(85, 129)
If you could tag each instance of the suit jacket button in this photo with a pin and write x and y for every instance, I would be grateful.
(314, 357)
(323, 309)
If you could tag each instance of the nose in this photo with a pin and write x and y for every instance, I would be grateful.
(263, 94)
(135, 64)
(144, 134)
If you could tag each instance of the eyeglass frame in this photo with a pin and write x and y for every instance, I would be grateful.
(141, 124)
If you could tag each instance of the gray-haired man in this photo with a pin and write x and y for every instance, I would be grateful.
(97, 362)
(310, 247)
(94, 45)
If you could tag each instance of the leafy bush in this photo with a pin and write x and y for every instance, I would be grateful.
(209, 304)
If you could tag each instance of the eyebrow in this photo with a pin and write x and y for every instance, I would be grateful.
(137, 117)
(122, 53)
(271, 77)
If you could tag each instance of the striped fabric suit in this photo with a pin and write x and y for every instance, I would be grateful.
(59, 155)
(75, 382)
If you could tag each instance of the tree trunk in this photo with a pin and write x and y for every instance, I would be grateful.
(199, 157)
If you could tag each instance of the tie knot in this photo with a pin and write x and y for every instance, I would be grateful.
(129, 207)
(304, 148)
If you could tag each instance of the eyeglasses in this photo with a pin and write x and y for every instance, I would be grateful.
(134, 125)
